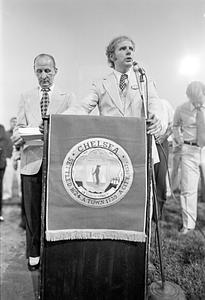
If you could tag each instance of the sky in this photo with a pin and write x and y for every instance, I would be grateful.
(169, 37)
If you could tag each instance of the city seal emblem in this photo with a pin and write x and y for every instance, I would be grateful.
(97, 172)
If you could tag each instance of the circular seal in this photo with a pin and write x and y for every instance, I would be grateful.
(97, 172)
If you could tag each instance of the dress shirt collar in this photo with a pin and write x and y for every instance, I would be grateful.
(193, 108)
(118, 75)
(50, 92)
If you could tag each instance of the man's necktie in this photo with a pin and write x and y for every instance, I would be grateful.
(200, 123)
(44, 101)
(123, 81)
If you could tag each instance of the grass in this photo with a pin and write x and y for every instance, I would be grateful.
(183, 255)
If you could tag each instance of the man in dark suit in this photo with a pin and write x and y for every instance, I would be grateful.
(44, 99)
(161, 168)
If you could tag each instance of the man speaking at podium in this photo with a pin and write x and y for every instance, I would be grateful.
(119, 94)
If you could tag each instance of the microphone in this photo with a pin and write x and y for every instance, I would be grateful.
(137, 68)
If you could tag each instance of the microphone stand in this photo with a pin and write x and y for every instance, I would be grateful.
(142, 80)
(42, 278)
(163, 289)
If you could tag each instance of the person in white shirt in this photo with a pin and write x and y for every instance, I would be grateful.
(189, 132)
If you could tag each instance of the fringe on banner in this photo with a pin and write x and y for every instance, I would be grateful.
(96, 234)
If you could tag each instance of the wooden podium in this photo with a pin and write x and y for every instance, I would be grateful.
(97, 266)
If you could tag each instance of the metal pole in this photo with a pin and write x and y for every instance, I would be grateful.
(157, 228)
(144, 98)
(151, 179)
(43, 203)
(148, 216)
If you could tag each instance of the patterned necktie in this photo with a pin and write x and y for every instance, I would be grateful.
(123, 81)
(44, 101)
(200, 123)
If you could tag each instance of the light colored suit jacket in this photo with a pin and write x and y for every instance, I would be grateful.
(29, 115)
(105, 94)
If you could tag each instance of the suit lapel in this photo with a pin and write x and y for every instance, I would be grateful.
(110, 84)
(56, 101)
(133, 94)
(35, 105)
(53, 102)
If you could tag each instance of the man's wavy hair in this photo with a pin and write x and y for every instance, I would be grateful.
(194, 90)
(112, 46)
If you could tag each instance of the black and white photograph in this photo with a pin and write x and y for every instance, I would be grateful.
(102, 149)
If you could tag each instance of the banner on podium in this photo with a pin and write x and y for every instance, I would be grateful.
(97, 181)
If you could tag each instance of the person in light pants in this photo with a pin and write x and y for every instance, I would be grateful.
(190, 134)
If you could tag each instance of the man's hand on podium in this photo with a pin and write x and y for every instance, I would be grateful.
(154, 125)
(41, 128)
